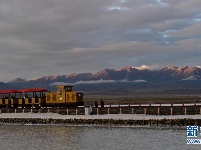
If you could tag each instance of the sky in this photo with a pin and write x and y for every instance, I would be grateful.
(57, 37)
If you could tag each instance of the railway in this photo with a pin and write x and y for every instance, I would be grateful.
(151, 109)
(67, 101)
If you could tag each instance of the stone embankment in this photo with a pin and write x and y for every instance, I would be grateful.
(106, 122)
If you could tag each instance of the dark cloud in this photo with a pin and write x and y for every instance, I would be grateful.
(58, 37)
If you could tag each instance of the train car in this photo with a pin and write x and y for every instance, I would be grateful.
(8, 98)
(40, 97)
(64, 97)
(32, 97)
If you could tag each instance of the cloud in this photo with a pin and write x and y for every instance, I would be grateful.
(95, 82)
(145, 67)
(138, 81)
(191, 31)
(40, 38)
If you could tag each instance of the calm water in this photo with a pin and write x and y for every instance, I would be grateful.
(91, 138)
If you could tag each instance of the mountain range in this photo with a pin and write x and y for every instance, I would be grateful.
(123, 78)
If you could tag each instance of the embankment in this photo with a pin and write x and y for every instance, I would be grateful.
(106, 120)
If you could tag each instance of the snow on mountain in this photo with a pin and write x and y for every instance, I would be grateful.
(105, 74)
(126, 68)
(192, 78)
(43, 78)
(170, 67)
(145, 67)
(127, 73)
(185, 72)
(71, 75)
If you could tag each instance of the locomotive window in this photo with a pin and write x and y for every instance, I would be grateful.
(68, 88)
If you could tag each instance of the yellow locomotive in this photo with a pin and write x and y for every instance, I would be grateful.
(40, 97)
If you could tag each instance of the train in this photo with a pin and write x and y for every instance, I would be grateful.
(41, 98)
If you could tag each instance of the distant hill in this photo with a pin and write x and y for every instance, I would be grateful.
(123, 78)
(5, 86)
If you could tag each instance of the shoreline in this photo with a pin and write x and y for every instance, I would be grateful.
(105, 116)
(117, 120)
(101, 126)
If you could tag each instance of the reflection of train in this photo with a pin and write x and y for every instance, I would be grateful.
(40, 97)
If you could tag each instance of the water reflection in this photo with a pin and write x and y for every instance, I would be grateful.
(89, 138)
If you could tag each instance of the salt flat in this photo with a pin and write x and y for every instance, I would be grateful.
(107, 116)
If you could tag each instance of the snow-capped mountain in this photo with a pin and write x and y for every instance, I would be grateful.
(169, 74)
